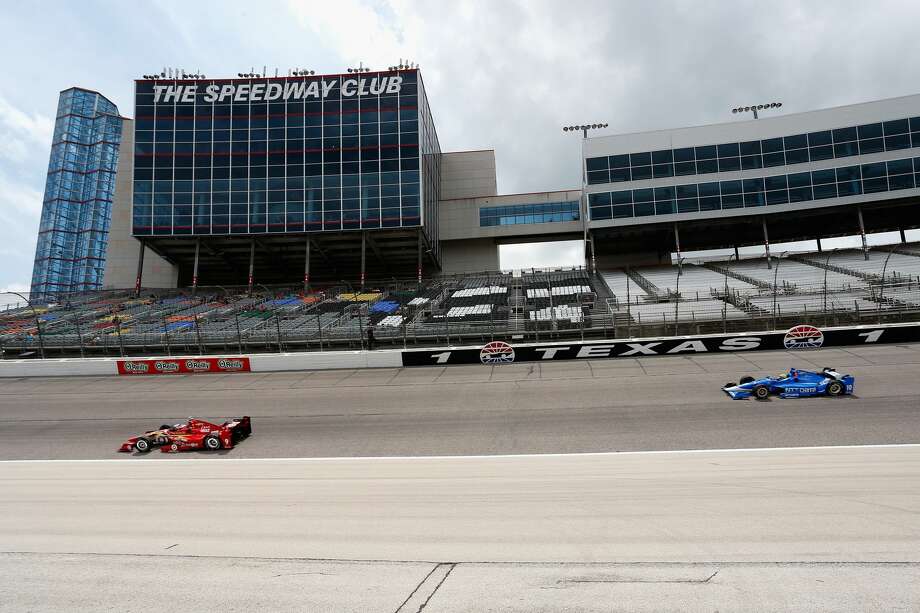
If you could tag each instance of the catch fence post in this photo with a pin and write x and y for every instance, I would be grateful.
(121, 343)
(239, 337)
(491, 326)
(404, 320)
(361, 326)
(79, 338)
(278, 330)
(41, 338)
(166, 335)
(198, 334)
(319, 329)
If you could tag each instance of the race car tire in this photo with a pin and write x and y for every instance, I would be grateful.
(834, 388)
(165, 427)
(142, 444)
(745, 380)
(211, 442)
(761, 392)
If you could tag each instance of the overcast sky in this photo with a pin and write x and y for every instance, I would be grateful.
(500, 74)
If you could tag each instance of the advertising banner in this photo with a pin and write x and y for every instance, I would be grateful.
(801, 337)
(182, 366)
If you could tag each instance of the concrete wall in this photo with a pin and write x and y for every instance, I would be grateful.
(463, 256)
(123, 249)
(468, 174)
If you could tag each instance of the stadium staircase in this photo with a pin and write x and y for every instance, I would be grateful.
(654, 293)
(517, 303)
(817, 263)
(725, 270)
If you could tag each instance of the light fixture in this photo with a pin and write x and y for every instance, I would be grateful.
(754, 108)
(584, 128)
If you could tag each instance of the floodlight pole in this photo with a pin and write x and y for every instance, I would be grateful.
(584, 185)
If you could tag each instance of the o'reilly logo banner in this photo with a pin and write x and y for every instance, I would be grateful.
(798, 338)
(270, 92)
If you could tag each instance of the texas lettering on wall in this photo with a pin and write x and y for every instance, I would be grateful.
(798, 338)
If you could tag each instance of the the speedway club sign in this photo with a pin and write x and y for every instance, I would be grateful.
(800, 337)
(177, 366)
(289, 90)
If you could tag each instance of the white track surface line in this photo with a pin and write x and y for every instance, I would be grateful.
(479, 457)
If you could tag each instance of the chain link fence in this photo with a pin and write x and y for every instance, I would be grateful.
(473, 309)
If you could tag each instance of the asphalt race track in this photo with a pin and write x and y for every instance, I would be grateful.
(655, 403)
(825, 517)
(803, 529)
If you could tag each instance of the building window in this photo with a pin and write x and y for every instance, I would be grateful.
(545, 212)
(762, 191)
(783, 151)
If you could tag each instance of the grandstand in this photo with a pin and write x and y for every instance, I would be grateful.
(734, 295)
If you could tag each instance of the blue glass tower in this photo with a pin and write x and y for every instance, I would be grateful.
(74, 227)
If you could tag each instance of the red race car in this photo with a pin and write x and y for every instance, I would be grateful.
(193, 434)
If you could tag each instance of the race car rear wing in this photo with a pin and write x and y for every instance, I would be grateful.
(239, 428)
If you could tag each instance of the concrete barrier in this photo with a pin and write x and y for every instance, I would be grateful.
(326, 360)
(62, 367)
(498, 352)
(261, 362)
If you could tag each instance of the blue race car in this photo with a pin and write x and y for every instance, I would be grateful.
(793, 384)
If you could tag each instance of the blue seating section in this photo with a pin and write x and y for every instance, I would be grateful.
(384, 306)
(178, 325)
(285, 301)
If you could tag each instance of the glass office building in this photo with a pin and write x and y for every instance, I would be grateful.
(267, 156)
(758, 192)
(76, 209)
(844, 142)
(862, 152)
